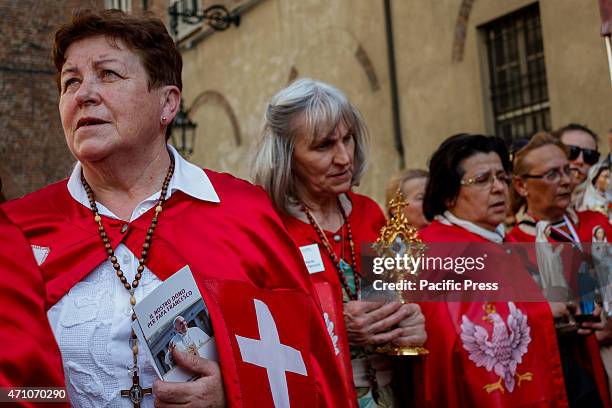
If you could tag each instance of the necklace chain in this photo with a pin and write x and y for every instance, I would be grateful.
(330, 251)
(146, 246)
(371, 373)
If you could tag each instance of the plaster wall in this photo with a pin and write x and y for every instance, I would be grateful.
(439, 96)
(276, 40)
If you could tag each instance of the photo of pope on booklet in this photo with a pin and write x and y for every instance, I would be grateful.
(174, 316)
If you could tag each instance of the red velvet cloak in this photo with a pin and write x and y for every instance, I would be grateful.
(29, 356)
(366, 220)
(586, 222)
(238, 251)
(453, 380)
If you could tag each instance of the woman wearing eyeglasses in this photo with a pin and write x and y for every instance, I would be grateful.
(542, 190)
(466, 201)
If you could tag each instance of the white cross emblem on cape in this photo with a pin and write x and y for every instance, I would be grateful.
(268, 352)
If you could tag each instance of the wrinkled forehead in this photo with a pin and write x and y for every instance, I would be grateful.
(481, 162)
(579, 138)
(546, 157)
(319, 124)
(89, 50)
(414, 184)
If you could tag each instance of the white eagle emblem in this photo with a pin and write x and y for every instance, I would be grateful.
(504, 351)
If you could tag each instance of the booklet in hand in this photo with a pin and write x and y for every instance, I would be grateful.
(174, 316)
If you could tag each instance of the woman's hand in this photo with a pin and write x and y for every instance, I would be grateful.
(604, 336)
(587, 328)
(563, 312)
(559, 309)
(205, 392)
(372, 323)
(413, 327)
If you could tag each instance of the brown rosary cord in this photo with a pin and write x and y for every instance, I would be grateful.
(145, 246)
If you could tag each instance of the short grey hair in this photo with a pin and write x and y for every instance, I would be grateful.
(306, 108)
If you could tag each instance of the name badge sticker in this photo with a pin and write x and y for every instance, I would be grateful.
(312, 258)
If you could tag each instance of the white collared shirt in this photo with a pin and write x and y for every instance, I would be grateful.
(92, 322)
(448, 218)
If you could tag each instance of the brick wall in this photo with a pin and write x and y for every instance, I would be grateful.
(33, 152)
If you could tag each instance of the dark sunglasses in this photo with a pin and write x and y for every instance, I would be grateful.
(589, 156)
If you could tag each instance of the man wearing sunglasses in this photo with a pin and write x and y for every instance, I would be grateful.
(583, 153)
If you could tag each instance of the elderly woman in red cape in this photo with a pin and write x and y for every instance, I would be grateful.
(313, 150)
(134, 212)
(541, 199)
(466, 199)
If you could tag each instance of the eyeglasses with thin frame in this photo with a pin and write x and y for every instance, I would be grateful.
(552, 175)
(485, 180)
(589, 156)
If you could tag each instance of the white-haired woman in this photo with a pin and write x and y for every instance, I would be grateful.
(314, 148)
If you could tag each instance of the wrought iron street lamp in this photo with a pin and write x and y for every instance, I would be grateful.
(218, 17)
(183, 133)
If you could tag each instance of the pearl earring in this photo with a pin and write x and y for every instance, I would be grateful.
(163, 119)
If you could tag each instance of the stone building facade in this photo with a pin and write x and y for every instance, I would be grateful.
(552, 70)
(444, 73)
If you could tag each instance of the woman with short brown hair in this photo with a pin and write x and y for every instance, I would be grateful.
(133, 212)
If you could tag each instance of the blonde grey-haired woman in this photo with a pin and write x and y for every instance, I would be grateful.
(314, 148)
(412, 183)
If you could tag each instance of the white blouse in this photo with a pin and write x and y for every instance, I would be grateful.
(92, 322)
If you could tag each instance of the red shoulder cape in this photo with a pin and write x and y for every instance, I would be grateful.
(452, 379)
(366, 220)
(237, 246)
(29, 356)
(587, 220)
